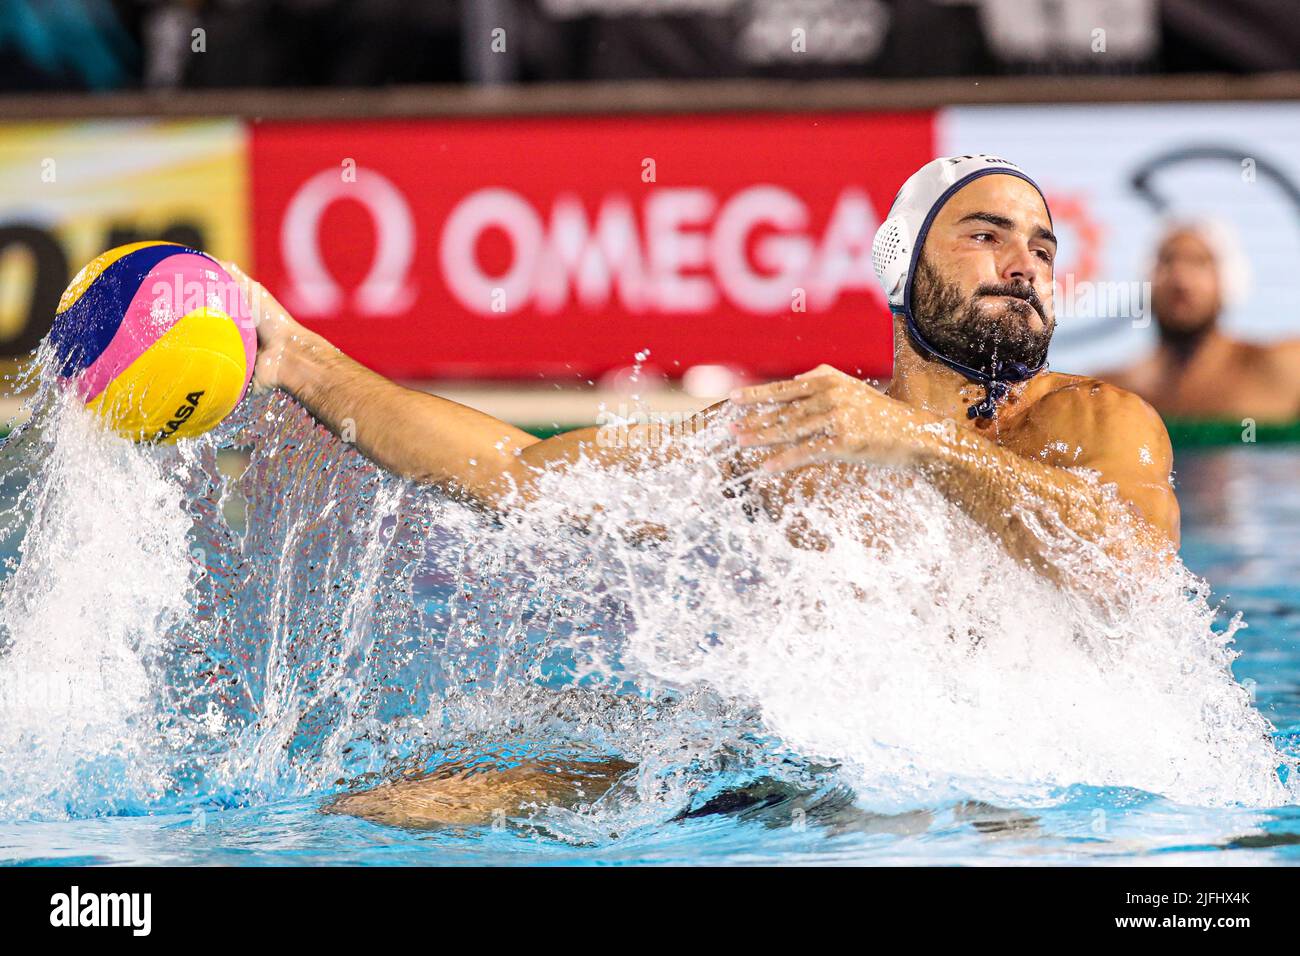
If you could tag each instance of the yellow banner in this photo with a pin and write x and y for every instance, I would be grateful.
(70, 190)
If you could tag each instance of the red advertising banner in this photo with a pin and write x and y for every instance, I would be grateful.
(556, 247)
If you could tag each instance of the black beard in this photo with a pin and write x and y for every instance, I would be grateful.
(981, 339)
(1185, 342)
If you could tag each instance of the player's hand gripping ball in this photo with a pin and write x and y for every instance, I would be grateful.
(157, 339)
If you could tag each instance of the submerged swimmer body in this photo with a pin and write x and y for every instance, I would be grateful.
(966, 260)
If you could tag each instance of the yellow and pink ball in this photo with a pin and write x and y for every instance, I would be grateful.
(157, 339)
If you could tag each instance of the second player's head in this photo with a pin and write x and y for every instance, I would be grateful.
(1197, 270)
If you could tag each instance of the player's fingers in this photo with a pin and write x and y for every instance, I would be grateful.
(804, 453)
(789, 412)
(785, 391)
(821, 371)
(788, 431)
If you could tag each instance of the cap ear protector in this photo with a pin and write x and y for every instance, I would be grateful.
(896, 251)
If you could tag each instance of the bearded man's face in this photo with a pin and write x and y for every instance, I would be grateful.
(982, 293)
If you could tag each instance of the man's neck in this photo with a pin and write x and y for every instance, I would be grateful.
(1183, 347)
(931, 385)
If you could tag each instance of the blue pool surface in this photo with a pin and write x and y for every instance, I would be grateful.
(1241, 531)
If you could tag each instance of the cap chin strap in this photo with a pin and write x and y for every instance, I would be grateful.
(997, 384)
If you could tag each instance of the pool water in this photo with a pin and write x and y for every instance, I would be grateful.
(192, 663)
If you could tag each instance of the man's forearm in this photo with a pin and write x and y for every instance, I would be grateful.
(429, 439)
(1013, 496)
(633, 445)
(413, 434)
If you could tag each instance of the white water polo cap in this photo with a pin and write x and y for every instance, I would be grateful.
(897, 247)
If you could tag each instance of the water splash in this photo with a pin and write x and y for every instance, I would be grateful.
(99, 581)
(154, 654)
(919, 654)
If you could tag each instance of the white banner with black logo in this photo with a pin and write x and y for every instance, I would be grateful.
(1115, 175)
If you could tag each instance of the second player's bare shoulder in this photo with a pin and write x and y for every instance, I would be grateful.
(1281, 364)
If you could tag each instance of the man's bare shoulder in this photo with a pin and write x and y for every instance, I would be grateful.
(1088, 392)
(1132, 377)
(1087, 408)
(1281, 358)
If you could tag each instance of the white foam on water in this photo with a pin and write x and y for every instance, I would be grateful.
(927, 660)
(102, 577)
(359, 624)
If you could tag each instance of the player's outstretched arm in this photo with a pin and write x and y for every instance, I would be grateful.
(413, 434)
